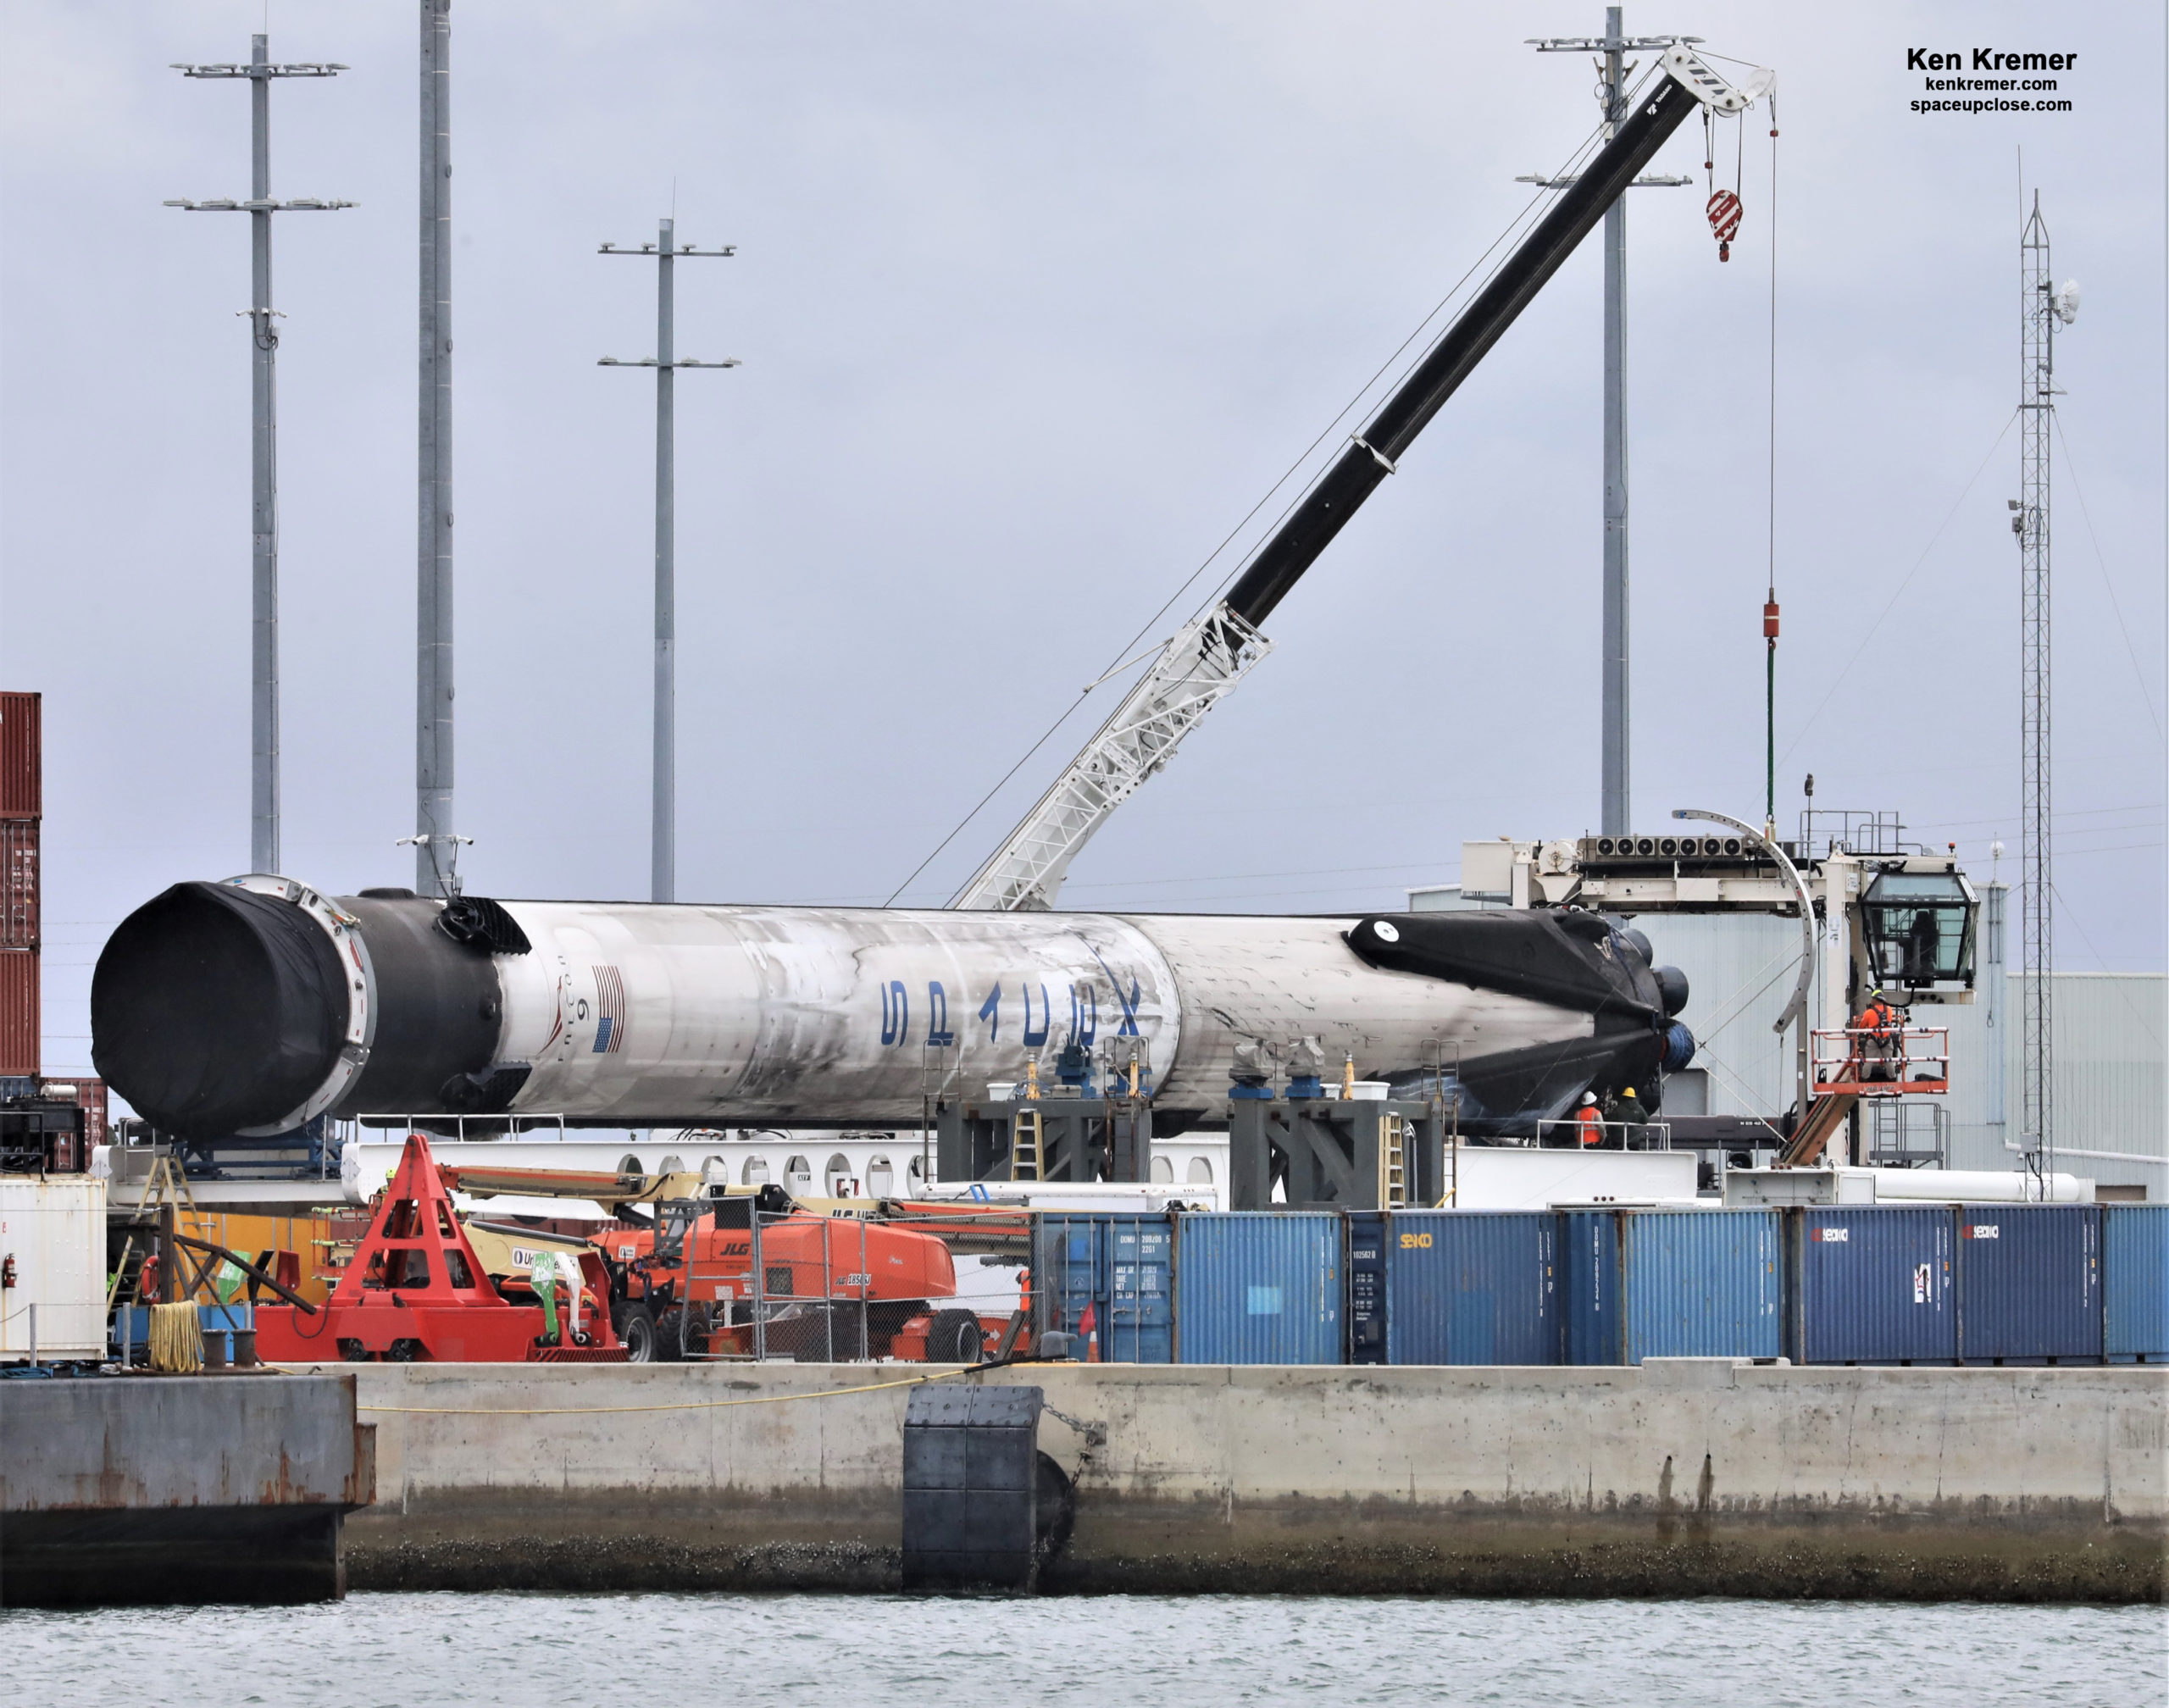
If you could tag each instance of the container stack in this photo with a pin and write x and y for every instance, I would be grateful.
(1889, 1284)
(21, 808)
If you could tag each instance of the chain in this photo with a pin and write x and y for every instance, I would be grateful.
(1095, 1434)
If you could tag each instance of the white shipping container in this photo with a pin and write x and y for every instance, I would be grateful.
(53, 1231)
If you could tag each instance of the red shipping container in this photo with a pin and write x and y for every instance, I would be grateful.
(22, 770)
(87, 1094)
(18, 1015)
(18, 887)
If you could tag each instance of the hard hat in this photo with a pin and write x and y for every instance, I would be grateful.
(1629, 1092)
(1589, 1097)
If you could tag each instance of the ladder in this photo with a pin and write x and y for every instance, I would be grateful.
(166, 1190)
(1825, 1114)
(1026, 1135)
(1393, 1164)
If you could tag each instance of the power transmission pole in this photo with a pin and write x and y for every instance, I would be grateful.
(436, 847)
(264, 502)
(666, 252)
(1617, 817)
(2041, 306)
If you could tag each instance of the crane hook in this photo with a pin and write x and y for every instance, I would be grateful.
(1724, 211)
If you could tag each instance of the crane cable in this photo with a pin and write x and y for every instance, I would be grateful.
(1770, 599)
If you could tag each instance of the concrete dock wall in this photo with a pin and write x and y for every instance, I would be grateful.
(1686, 1477)
(177, 1488)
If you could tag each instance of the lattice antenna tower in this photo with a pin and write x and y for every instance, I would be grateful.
(2042, 307)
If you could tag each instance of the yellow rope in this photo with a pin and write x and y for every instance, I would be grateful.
(676, 1405)
(176, 1339)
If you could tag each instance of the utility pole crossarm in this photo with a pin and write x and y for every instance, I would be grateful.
(226, 204)
(1652, 181)
(308, 67)
(1610, 44)
(684, 251)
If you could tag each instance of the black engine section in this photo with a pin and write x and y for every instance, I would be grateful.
(1568, 958)
(214, 1010)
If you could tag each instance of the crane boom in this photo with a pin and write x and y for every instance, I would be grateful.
(1204, 661)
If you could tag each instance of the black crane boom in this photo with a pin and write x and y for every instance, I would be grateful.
(1325, 510)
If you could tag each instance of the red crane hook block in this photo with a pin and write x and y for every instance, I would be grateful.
(1724, 220)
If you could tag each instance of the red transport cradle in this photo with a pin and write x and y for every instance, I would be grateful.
(415, 1290)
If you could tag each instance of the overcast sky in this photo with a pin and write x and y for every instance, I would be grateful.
(1035, 303)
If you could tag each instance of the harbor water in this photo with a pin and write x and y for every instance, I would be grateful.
(483, 1651)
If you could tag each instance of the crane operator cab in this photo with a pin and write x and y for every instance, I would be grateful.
(1917, 929)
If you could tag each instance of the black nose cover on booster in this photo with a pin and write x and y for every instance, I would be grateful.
(214, 1009)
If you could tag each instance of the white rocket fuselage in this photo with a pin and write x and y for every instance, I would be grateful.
(759, 1015)
(251, 1006)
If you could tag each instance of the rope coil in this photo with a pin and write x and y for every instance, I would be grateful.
(176, 1339)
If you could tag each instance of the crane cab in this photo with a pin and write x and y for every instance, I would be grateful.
(1919, 927)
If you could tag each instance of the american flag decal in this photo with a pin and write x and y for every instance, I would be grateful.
(609, 1011)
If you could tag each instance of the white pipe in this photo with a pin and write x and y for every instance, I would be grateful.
(1974, 1186)
(2014, 1147)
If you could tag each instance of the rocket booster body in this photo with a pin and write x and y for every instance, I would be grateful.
(765, 1014)
(252, 1005)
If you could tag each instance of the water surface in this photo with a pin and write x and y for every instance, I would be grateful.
(567, 1651)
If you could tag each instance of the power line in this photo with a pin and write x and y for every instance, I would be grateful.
(1837, 681)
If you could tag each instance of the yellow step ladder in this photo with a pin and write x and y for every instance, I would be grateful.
(1025, 1138)
(1393, 1164)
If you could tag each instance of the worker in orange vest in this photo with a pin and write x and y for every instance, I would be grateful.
(1879, 1039)
(1590, 1120)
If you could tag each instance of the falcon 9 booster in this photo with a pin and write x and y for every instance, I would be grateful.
(249, 1007)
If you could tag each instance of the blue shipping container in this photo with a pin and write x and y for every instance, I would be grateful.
(1257, 1287)
(1872, 1285)
(1121, 1269)
(1472, 1287)
(1365, 1258)
(2135, 1283)
(1669, 1284)
(2029, 1283)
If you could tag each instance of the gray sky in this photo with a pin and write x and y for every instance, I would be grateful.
(1035, 303)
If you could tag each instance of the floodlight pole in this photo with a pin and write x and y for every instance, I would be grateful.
(264, 500)
(436, 845)
(1617, 814)
(666, 252)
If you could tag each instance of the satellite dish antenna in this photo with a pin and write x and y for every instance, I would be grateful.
(2065, 301)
